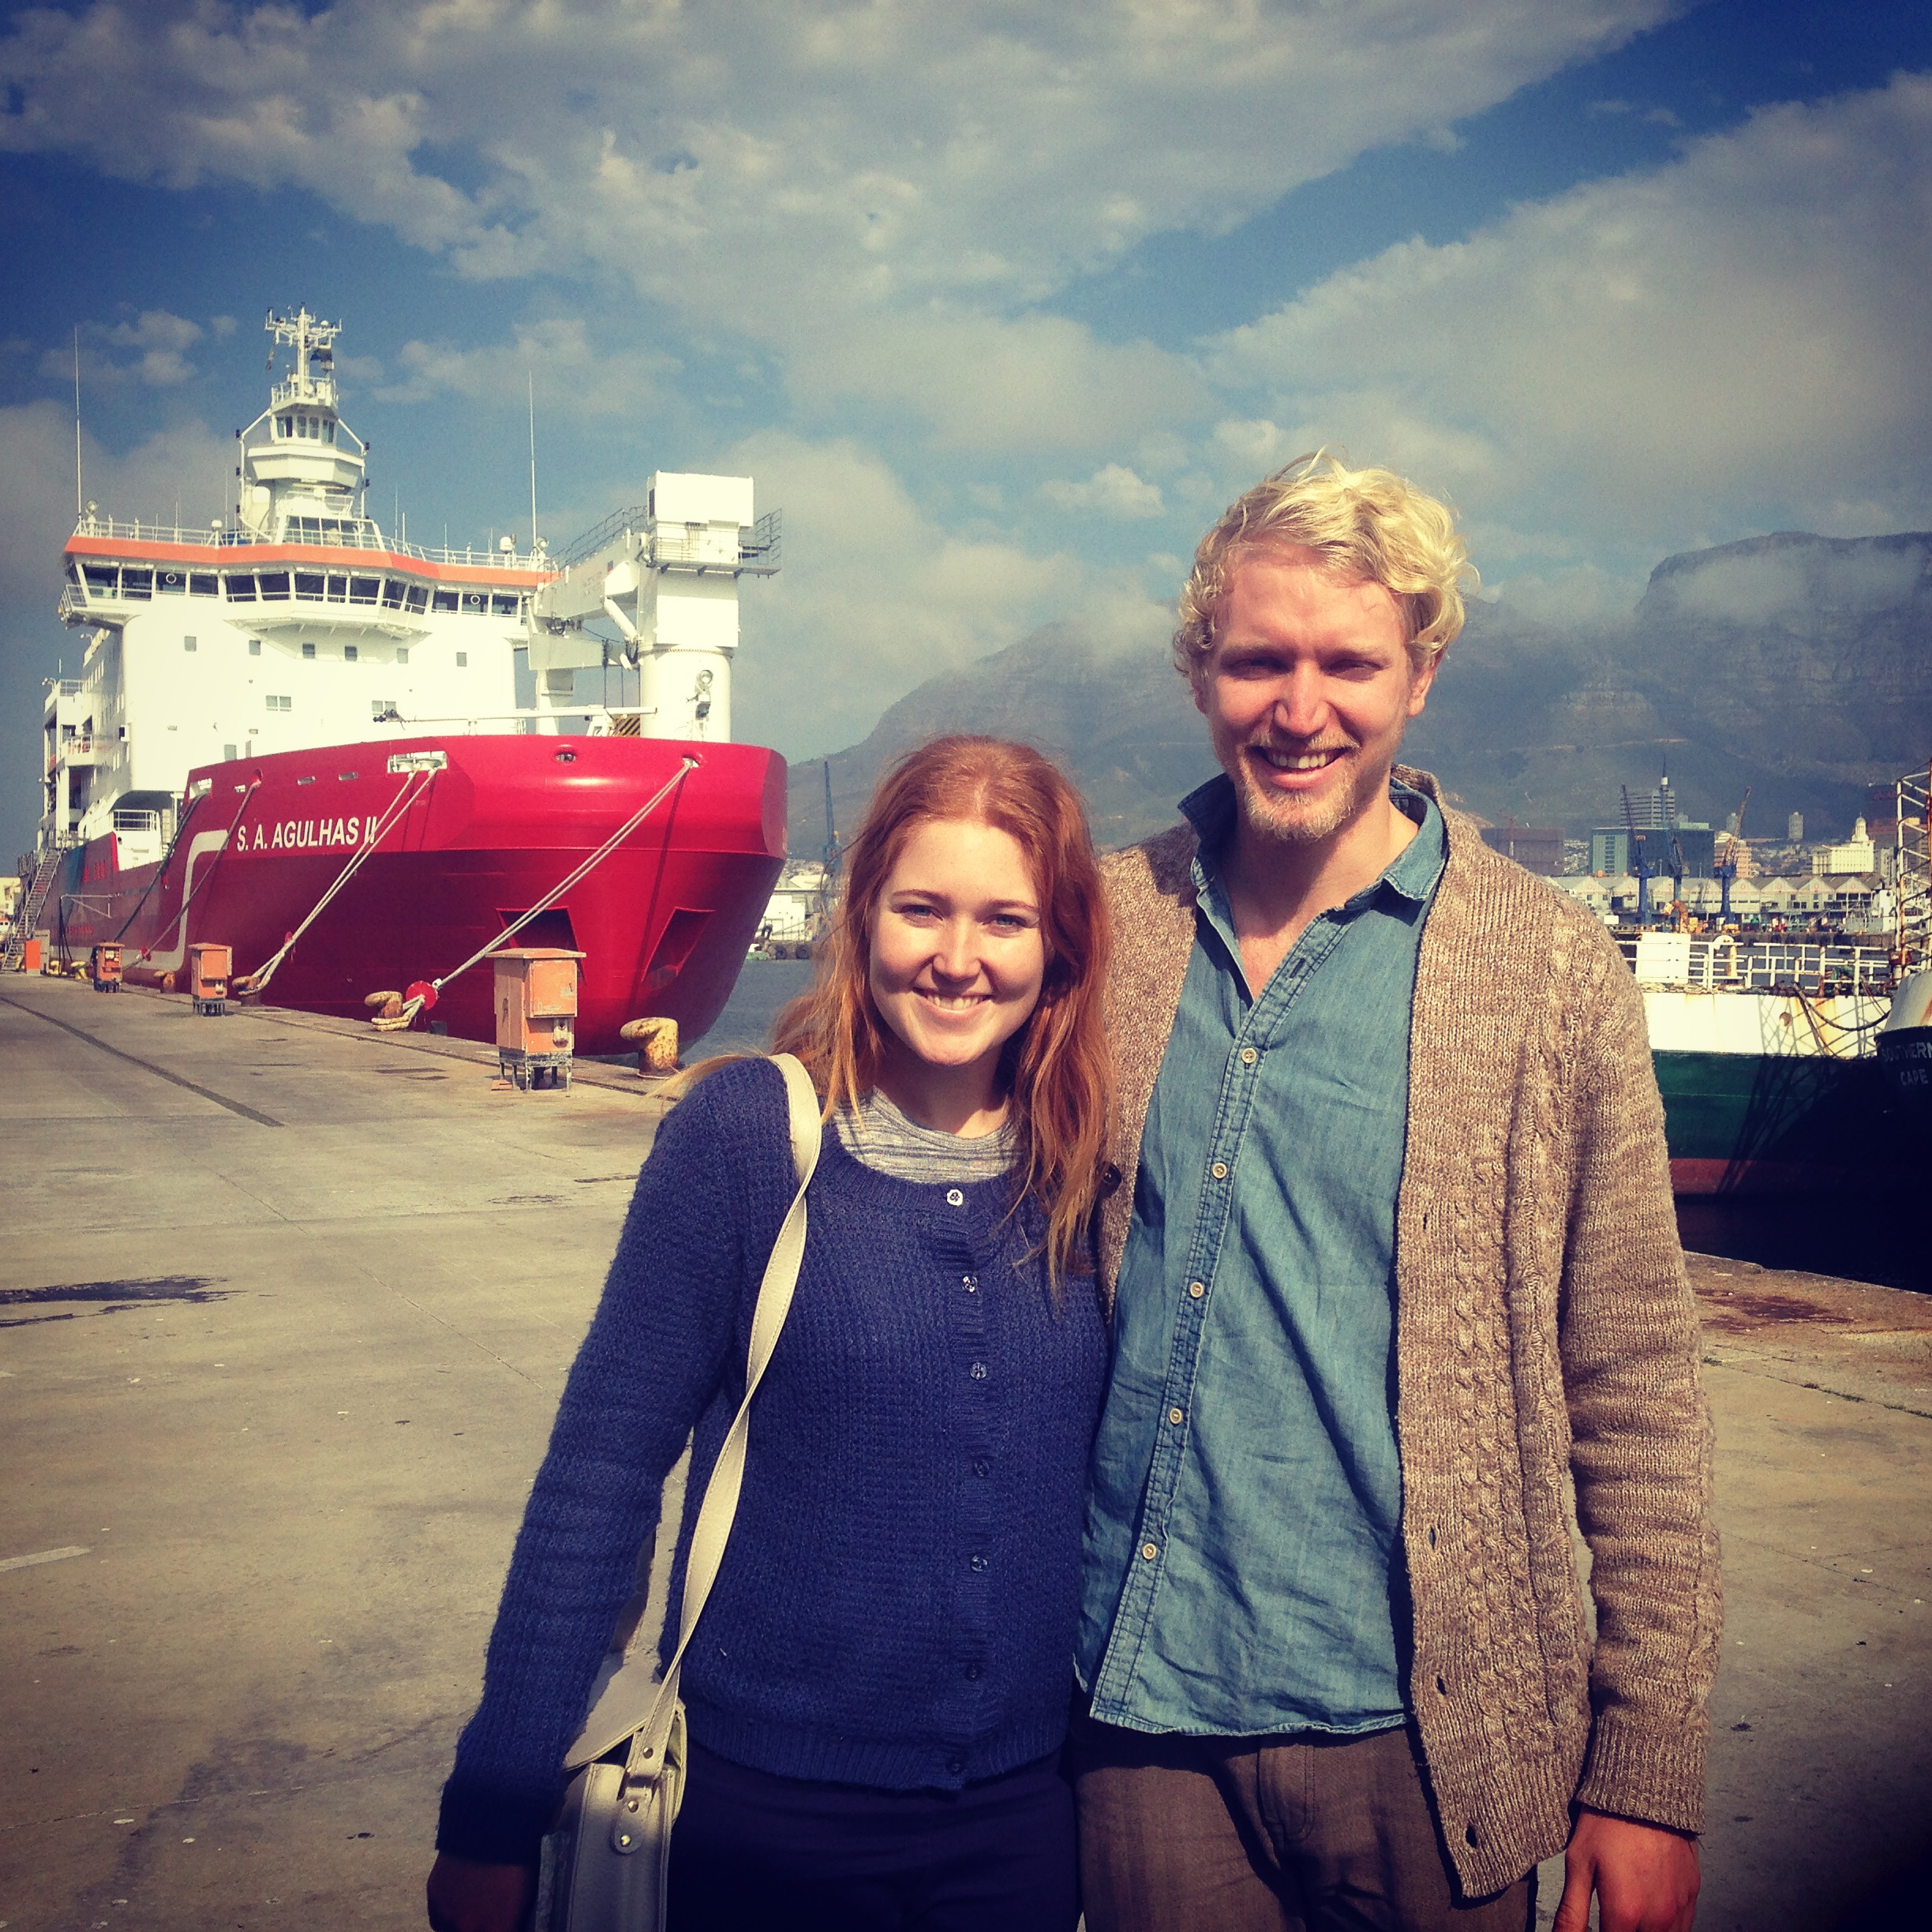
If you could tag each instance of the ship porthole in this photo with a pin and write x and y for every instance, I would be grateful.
(565, 758)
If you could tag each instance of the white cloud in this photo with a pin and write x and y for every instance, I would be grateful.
(879, 191)
(1113, 490)
(557, 355)
(875, 596)
(160, 339)
(1743, 332)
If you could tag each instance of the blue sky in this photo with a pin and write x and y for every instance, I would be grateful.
(999, 303)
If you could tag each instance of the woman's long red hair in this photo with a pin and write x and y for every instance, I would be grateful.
(1056, 1066)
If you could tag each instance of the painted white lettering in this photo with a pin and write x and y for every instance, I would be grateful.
(277, 841)
(353, 834)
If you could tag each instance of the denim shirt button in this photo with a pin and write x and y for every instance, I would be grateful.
(1220, 1170)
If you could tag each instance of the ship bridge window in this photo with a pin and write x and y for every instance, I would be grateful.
(474, 603)
(104, 582)
(309, 584)
(241, 589)
(445, 600)
(273, 586)
(336, 530)
(365, 590)
(136, 583)
(393, 588)
(338, 588)
(171, 582)
(203, 585)
(506, 606)
(418, 597)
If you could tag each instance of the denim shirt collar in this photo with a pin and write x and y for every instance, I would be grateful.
(1411, 875)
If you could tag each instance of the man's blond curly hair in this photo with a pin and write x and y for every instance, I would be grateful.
(1370, 526)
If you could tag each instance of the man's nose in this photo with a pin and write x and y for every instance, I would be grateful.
(1302, 703)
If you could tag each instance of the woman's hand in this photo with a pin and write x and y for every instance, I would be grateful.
(468, 1897)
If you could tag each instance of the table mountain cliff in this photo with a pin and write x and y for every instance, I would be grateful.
(1797, 665)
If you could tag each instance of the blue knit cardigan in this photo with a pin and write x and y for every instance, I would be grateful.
(896, 1606)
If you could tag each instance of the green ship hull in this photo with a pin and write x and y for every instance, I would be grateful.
(1779, 1124)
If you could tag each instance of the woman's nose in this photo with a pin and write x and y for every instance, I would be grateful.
(955, 958)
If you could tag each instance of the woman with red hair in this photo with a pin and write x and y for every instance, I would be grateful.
(878, 1688)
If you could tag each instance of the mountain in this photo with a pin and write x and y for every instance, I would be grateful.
(1798, 665)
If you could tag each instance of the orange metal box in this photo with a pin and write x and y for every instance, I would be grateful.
(106, 965)
(536, 999)
(209, 966)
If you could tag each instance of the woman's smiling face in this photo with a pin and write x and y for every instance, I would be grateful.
(957, 956)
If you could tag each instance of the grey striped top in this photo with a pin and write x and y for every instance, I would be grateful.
(876, 1133)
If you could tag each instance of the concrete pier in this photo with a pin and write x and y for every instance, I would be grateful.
(286, 1309)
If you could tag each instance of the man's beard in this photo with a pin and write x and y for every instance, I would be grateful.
(1289, 818)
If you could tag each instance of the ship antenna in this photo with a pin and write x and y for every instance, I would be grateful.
(80, 506)
(530, 382)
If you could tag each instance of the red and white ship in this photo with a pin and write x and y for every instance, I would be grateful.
(300, 726)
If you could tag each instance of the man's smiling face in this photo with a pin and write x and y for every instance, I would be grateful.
(1307, 694)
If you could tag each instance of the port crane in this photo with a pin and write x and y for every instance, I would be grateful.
(1727, 867)
(1640, 866)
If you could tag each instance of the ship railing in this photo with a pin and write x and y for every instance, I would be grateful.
(756, 553)
(473, 556)
(1724, 964)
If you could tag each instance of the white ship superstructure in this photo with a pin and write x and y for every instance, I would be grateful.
(301, 624)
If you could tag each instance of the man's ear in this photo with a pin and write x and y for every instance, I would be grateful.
(1419, 684)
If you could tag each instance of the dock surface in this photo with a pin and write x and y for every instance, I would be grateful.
(286, 1309)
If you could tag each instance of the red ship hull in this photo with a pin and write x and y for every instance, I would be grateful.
(663, 921)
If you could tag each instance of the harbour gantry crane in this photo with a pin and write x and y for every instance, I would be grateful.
(1726, 867)
(1639, 863)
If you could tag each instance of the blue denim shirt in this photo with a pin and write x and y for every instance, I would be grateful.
(1246, 1492)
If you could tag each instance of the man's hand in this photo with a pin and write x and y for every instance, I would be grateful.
(1645, 1877)
(466, 1897)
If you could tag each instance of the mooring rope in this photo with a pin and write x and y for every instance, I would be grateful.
(147, 951)
(257, 981)
(415, 1004)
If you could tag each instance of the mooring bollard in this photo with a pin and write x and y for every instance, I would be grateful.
(536, 1015)
(209, 967)
(657, 1041)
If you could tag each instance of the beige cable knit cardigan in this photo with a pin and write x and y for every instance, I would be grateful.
(1544, 1331)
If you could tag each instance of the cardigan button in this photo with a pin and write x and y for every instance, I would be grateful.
(955, 1198)
(955, 1766)
(974, 1672)
(978, 1563)
(970, 1283)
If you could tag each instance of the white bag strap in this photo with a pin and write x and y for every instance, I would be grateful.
(720, 1506)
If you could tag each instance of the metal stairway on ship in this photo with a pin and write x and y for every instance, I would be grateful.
(32, 905)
